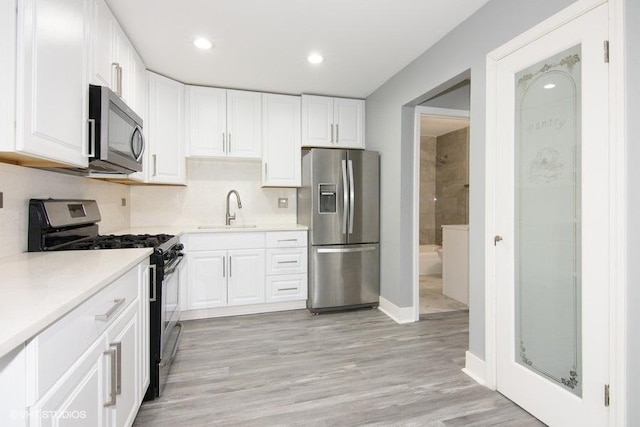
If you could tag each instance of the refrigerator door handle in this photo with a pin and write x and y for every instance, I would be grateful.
(345, 197)
(352, 197)
(345, 250)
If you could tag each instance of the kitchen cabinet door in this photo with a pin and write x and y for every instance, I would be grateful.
(52, 95)
(317, 121)
(207, 121)
(165, 132)
(348, 116)
(207, 278)
(79, 397)
(122, 60)
(246, 278)
(124, 337)
(332, 122)
(281, 141)
(244, 124)
(102, 51)
(8, 70)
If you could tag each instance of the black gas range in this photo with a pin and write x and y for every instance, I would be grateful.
(61, 225)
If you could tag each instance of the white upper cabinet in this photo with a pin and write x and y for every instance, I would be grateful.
(165, 131)
(114, 62)
(51, 81)
(224, 123)
(244, 119)
(7, 69)
(332, 122)
(281, 141)
(102, 60)
(207, 121)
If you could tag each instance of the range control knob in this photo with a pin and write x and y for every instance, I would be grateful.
(178, 247)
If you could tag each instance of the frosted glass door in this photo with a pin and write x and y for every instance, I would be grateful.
(547, 218)
(552, 271)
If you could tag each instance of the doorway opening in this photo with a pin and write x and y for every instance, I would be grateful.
(443, 201)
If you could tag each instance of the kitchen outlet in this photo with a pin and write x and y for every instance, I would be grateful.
(124, 202)
(283, 202)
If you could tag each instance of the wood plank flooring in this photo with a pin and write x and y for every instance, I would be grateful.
(343, 369)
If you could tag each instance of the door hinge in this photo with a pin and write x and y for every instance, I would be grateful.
(606, 51)
(607, 397)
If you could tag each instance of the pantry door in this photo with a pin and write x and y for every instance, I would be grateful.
(552, 221)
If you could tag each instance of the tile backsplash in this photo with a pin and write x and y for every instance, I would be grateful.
(202, 201)
(19, 184)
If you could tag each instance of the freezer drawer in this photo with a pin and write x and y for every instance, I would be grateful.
(343, 276)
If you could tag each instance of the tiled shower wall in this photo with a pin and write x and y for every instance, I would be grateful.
(444, 183)
(452, 180)
(427, 190)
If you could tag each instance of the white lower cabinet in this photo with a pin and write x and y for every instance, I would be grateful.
(239, 272)
(87, 369)
(78, 397)
(223, 278)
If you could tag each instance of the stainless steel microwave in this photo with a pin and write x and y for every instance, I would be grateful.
(116, 142)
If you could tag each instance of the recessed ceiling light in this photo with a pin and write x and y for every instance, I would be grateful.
(315, 58)
(549, 86)
(202, 43)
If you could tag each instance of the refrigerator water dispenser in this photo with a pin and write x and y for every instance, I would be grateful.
(327, 198)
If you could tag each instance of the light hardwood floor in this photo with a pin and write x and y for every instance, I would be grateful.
(342, 369)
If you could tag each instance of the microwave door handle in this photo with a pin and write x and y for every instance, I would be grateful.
(92, 138)
(137, 156)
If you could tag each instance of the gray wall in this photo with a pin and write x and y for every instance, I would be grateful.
(390, 128)
(633, 144)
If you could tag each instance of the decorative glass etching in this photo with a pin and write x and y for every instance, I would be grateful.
(547, 219)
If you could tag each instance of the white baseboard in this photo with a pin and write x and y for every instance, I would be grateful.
(474, 368)
(240, 310)
(398, 314)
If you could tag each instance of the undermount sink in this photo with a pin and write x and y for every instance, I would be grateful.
(225, 227)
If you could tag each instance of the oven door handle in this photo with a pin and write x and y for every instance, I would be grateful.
(168, 361)
(173, 266)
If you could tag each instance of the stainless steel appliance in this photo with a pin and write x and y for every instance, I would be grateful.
(340, 203)
(56, 225)
(116, 142)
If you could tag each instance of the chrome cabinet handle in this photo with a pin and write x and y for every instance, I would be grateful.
(119, 80)
(92, 138)
(114, 378)
(118, 348)
(266, 171)
(155, 164)
(154, 287)
(337, 133)
(114, 76)
(229, 144)
(291, 240)
(224, 143)
(287, 262)
(332, 133)
(352, 197)
(287, 289)
(345, 197)
(224, 266)
(230, 264)
(105, 317)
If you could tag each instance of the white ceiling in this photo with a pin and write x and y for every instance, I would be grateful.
(436, 126)
(263, 44)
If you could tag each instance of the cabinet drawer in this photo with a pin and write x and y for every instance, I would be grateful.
(286, 261)
(289, 287)
(61, 344)
(224, 241)
(286, 239)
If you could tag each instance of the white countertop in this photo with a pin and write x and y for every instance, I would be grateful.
(38, 288)
(210, 228)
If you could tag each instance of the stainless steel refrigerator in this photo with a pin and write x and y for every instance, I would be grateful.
(340, 203)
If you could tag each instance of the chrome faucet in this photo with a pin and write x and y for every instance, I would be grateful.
(228, 216)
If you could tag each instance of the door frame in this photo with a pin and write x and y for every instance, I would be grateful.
(419, 112)
(617, 199)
